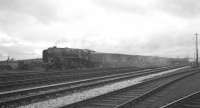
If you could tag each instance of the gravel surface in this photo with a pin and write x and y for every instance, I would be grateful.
(75, 97)
(173, 92)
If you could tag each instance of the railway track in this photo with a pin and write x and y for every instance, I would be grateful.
(126, 98)
(190, 101)
(34, 74)
(74, 71)
(44, 79)
(16, 81)
(27, 75)
(21, 96)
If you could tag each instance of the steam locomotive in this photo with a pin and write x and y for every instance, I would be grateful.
(65, 58)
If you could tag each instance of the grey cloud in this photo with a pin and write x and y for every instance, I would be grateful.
(181, 8)
(18, 15)
(121, 6)
(170, 44)
(167, 41)
(18, 48)
(43, 11)
(18, 18)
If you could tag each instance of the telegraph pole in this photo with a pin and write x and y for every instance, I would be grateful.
(197, 50)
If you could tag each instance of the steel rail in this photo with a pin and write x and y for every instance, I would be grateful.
(56, 79)
(68, 86)
(131, 100)
(41, 80)
(186, 101)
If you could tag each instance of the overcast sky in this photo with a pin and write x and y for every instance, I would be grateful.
(143, 27)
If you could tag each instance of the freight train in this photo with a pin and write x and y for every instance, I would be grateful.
(68, 58)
